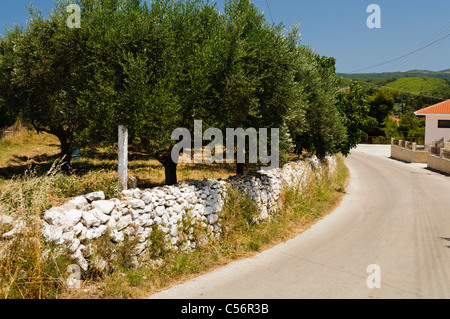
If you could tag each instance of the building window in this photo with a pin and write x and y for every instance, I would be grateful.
(443, 123)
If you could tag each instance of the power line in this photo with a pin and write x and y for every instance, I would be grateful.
(412, 59)
(405, 55)
(421, 55)
(441, 30)
(270, 12)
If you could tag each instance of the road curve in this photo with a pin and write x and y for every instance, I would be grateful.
(395, 215)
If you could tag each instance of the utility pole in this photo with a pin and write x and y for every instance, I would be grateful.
(123, 157)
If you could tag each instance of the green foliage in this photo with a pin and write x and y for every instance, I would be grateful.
(410, 127)
(8, 113)
(381, 105)
(409, 91)
(239, 214)
(160, 67)
(401, 96)
(422, 85)
(157, 242)
(354, 108)
(444, 74)
(71, 185)
(391, 128)
(314, 121)
(228, 70)
(6, 117)
(47, 69)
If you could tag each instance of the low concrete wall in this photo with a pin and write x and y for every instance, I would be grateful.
(407, 152)
(442, 162)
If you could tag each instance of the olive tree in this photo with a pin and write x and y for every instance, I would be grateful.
(48, 68)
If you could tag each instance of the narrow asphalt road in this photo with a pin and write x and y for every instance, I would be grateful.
(395, 215)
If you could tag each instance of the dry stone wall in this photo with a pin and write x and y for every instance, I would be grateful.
(173, 210)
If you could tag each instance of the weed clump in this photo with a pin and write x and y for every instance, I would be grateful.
(29, 266)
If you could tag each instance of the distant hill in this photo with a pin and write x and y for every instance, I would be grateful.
(444, 74)
(422, 85)
(434, 85)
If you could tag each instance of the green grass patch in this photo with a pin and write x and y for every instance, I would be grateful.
(422, 85)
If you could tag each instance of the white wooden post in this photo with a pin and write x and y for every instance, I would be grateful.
(123, 157)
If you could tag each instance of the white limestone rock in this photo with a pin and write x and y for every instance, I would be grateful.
(145, 220)
(127, 193)
(124, 222)
(192, 199)
(209, 210)
(148, 208)
(75, 243)
(139, 248)
(147, 197)
(137, 203)
(174, 231)
(100, 216)
(78, 202)
(89, 219)
(99, 231)
(135, 213)
(66, 237)
(117, 236)
(199, 208)
(136, 193)
(78, 228)
(158, 220)
(112, 223)
(116, 214)
(52, 232)
(70, 218)
(79, 259)
(95, 196)
(212, 219)
(159, 211)
(105, 206)
(87, 234)
(53, 215)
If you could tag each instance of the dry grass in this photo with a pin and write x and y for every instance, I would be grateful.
(27, 272)
(26, 146)
(29, 267)
(240, 239)
(27, 150)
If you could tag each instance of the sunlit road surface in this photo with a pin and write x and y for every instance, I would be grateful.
(392, 231)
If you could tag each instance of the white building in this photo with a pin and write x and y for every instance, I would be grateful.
(437, 121)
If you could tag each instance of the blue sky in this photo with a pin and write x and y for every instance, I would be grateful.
(338, 28)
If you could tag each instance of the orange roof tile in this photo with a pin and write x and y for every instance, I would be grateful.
(439, 108)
